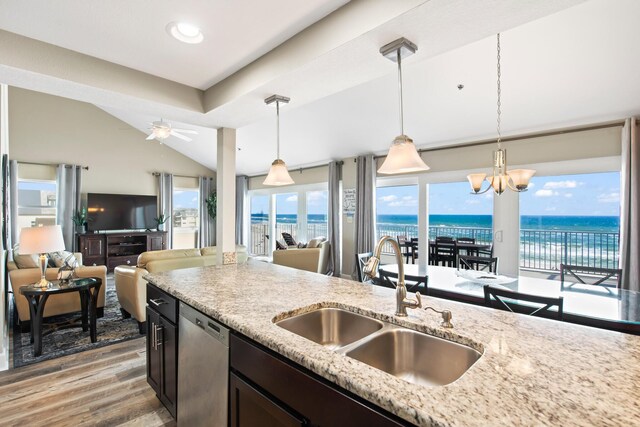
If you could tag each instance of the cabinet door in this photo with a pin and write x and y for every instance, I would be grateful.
(251, 408)
(168, 345)
(154, 361)
(155, 243)
(93, 246)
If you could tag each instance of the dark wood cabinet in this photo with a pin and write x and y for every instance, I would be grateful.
(113, 249)
(264, 384)
(162, 346)
(252, 408)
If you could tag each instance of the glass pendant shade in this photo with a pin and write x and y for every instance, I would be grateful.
(521, 177)
(476, 180)
(499, 183)
(402, 158)
(278, 174)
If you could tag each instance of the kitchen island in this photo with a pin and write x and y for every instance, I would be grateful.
(532, 371)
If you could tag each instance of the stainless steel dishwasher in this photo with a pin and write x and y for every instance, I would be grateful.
(203, 370)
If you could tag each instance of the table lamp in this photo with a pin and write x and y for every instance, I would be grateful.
(41, 240)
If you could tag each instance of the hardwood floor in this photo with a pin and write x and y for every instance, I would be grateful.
(103, 387)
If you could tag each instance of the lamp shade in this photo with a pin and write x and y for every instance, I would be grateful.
(476, 180)
(278, 174)
(41, 240)
(521, 177)
(499, 183)
(402, 158)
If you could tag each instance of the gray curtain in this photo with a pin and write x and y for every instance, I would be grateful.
(630, 206)
(165, 203)
(241, 197)
(13, 203)
(68, 201)
(207, 232)
(333, 221)
(365, 206)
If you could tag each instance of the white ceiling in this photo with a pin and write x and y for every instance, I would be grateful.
(132, 33)
(565, 63)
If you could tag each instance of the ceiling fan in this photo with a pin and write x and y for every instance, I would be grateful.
(161, 130)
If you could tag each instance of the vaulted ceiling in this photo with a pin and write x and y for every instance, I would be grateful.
(565, 63)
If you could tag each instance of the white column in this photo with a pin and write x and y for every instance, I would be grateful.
(506, 232)
(226, 189)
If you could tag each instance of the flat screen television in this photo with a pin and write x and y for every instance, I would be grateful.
(121, 212)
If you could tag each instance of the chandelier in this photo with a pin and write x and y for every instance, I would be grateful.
(501, 179)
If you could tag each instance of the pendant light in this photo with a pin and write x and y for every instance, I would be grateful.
(403, 156)
(501, 179)
(278, 174)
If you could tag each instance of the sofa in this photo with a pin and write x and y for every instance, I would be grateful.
(56, 304)
(314, 258)
(131, 288)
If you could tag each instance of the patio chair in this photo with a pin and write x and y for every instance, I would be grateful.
(487, 252)
(288, 239)
(478, 263)
(505, 299)
(467, 240)
(389, 279)
(446, 251)
(606, 277)
(361, 260)
(405, 247)
(414, 249)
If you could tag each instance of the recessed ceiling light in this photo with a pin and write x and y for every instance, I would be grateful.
(186, 33)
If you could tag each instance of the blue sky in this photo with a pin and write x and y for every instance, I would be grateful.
(595, 194)
(185, 199)
(317, 203)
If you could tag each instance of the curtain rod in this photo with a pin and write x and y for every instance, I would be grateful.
(518, 138)
(49, 164)
(179, 176)
(341, 162)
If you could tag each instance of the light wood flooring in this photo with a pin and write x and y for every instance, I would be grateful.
(103, 387)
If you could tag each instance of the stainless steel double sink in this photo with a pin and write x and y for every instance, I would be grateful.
(407, 354)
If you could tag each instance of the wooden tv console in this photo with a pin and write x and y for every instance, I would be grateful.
(113, 249)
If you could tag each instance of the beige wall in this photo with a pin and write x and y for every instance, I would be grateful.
(49, 129)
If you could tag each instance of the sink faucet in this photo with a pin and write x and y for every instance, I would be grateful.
(371, 270)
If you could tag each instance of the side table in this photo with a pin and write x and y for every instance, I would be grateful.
(88, 288)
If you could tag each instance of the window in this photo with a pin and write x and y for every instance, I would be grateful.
(397, 211)
(287, 215)
(299, 210)
(259, 232)
(185, 218)
(455, 212)
(317, 209)
(36, 203)
(571, 219)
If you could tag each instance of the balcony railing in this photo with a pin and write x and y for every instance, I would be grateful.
(539, 249)
(259, 243)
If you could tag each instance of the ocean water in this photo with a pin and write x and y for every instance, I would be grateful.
(609, 224)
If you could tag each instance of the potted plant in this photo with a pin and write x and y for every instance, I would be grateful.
(79, 219)
(161, 219)
(212, 202)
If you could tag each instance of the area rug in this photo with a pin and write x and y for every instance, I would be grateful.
(111, 328)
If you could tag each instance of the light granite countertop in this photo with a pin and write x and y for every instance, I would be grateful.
(533, 371)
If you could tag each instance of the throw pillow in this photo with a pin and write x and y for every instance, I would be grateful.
(25, 260)
(313, 243)
(59, 258)
(280, 246)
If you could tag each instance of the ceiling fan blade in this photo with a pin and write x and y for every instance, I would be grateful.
(186, 131)
(150, 137)
(182, 137)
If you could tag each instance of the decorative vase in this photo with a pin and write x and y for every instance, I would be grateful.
(160, 227)
(81, 229)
